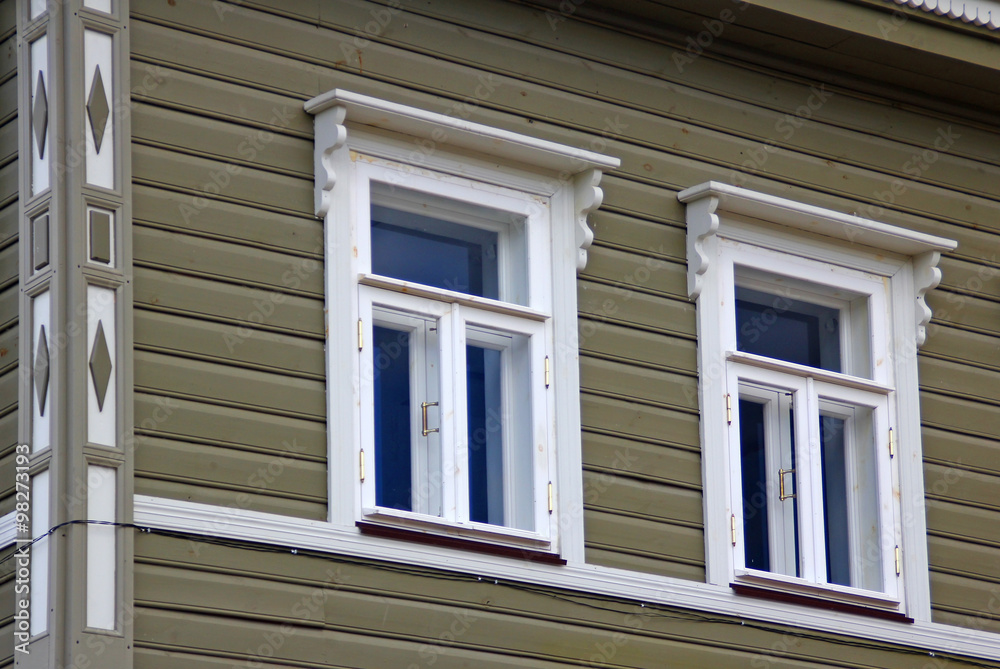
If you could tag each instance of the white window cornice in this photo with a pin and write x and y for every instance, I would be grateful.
(712, 207)
(458, 133)
(337, 109)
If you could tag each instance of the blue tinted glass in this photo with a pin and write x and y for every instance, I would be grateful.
(464, 262)
(835, 518)
(789, 330)
(391, 358)
(752, 459)
(486, 504)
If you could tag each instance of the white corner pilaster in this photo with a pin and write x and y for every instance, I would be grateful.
(75, 312)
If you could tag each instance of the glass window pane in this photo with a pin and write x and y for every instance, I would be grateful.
(434, 252)
(486, 466)
(753, 459)
(795, 331)
(393, 432)
(767, 457)
(836, 529)
(499, 414)
(850, 497)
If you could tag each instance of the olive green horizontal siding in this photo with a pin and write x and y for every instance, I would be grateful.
(203, 605)
(223, 197)
(229, 366)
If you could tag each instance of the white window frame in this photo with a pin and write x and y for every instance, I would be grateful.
(362, 141)
(730, 226)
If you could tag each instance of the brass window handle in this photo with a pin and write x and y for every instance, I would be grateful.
(423, 408)
(781, 484)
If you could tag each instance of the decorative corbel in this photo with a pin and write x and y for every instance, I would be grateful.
(331, 133)
(926, 276)
(702, 224)
(588, 197)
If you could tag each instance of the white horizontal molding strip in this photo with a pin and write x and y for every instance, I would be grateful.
(980, 12)
(232, 523)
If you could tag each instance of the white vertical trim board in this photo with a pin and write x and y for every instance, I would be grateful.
(98, 5)
(98, 52)
(101, 547)
(40, 425)
(8, 529)
(40, 65)
(38, 8)
(40, 522)
(101, 423)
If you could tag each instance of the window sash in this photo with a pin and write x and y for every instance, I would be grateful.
(810, 399)
(526, 451)
(521, 221)
(861, 332)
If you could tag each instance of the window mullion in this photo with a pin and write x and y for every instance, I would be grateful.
(454, 415)
(810, 464)
(424, 388)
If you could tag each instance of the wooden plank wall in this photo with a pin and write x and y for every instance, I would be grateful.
(202, 606)
(230, 404)
(9, 286)
(229, 366)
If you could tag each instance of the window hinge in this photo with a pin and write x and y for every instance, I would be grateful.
(361, 464)
(732, 527)
(898, 568)
(548, 372)
(550, 496)
(361, 334)
(892, 444)
(729, 409)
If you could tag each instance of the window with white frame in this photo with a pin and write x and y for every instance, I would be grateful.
(808, 324)
(452, 252)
